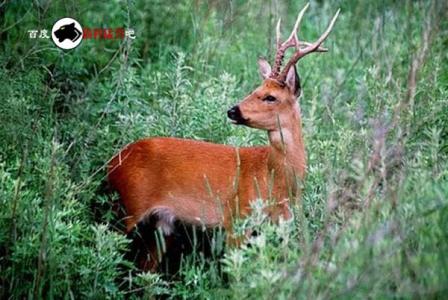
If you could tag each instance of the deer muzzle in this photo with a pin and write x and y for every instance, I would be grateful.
(235, 115)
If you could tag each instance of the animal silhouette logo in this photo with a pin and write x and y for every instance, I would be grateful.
(67, 33)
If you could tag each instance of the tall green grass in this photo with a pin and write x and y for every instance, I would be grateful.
(373, 218)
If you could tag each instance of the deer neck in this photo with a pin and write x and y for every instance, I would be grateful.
(287, 153)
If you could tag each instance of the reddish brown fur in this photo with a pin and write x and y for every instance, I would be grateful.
(189, 176)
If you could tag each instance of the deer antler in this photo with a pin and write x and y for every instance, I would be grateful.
(293, 41)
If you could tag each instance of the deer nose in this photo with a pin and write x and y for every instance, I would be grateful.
(235, 113)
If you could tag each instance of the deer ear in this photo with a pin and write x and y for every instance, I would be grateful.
(293, 81)
(264, 68)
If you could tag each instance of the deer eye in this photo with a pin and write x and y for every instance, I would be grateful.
(269, 98)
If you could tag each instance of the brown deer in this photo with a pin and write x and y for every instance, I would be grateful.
(207, 184)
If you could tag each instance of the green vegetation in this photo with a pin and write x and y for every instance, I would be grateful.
(373, 219)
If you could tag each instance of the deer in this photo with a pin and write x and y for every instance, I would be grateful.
(205, 184)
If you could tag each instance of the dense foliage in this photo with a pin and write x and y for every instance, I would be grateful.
(373, 219)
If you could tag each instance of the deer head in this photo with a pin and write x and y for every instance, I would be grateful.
(272, 104)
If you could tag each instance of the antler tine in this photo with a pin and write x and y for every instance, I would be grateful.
(320, 49)
(313, 47)
(293, 35)
(277, 30)
(323, 37)
(292, 41)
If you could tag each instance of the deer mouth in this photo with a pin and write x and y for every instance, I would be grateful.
(241, 121)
